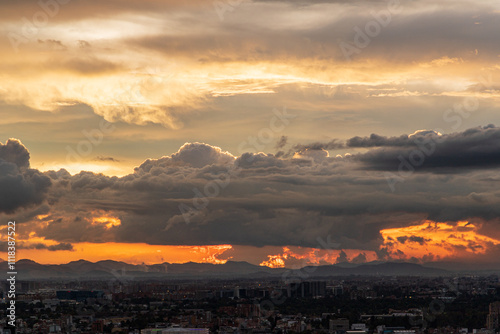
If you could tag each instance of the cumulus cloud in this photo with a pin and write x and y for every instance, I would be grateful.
(191, 154)
(256, 199)
(20, 186)
(260, 199)
(13, 151)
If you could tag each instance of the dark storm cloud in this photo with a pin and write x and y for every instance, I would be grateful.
(425, 150)
(260, 199)
(20, 186)
(471, 149)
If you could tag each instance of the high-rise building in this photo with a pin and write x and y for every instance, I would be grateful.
(492, 321)
(307, 289)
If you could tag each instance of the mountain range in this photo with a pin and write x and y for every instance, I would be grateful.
(28, 269)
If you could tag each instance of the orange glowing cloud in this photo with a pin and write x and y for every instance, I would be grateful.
(304, 256)
(274, 261)
(431, 241)
(109, 222)
(212, 253)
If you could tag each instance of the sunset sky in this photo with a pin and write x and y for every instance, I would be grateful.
(282, 133)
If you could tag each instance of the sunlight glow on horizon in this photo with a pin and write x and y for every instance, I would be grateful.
(132, 253)
(305, 256)
(432, 241)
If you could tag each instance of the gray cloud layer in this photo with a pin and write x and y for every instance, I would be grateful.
(260, 199)
(474, 148)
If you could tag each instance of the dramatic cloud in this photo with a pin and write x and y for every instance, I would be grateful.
(471, 149)
(13, 151)
(299, 257)
(431, 241)
(203, 195)
(20, 186)
(191, 154)
(375, 140)
(141, 71)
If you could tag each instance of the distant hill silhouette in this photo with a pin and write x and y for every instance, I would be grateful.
(109, 269)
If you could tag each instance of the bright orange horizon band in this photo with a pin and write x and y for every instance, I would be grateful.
(427, 241)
